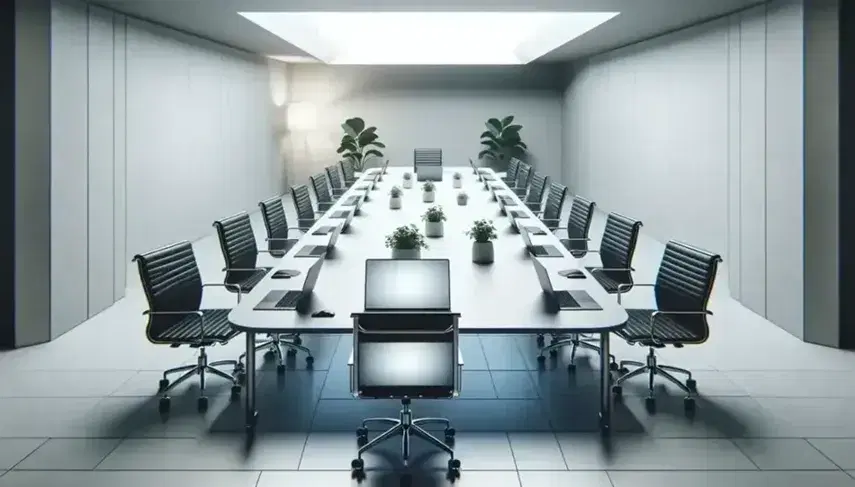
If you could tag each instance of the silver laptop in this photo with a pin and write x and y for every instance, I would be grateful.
(579, 300)
(538, 250)
(320, 250)
(290, 299)
(428, 285)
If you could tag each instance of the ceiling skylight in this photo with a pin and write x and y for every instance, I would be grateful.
(428, 37)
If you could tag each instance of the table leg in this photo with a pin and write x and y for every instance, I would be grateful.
(249, 386)
(605, 384)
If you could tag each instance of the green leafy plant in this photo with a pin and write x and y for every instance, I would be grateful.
(502, 140)
(359, 144)
(407, 237)
(407, 176)
(482, 231)
(434, 214)
(462, 196)
(395, 192)
(428, 186)
(457, 176)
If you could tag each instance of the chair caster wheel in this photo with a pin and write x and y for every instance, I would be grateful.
(310, 361)
(268, 355)
(361, 432)
(540, 340)
(454, 468)
(617, 391)
(613, 367)
(235, 395)
(202, 404)
(163, 385)
(692, 385)
(650, 404)
(240, 378)
(357, 464)
(571, 368)
(689, 404)
(291, 352)
(553, 353)
(449, 436)
(623, 371)
(541, 359)
(280, 369)
(163, 405)
(297, 341)
(361, 441)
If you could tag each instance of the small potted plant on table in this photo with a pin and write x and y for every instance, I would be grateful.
(406, 242)
(457, 180)
(428, 192)
(433, 218)
(395, 198)
(482, 234)
(462, 198)
(408, 180)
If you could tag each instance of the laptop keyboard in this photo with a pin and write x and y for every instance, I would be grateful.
(323, 231)
(538, 250)
(340, 214)
(290, 299)
(318, 251)
(565, 300)
(351, 200)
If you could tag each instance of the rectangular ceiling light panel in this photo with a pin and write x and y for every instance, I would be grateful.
(428, 38)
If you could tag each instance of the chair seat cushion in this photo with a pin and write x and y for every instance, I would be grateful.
(218, 328)
(611, 280)
(669, 329)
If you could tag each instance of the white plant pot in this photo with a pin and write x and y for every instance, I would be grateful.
(408, 183)
(428, 196)
(462, 200)
(482, 252)
(457, 183)
(433, 229)
(406, 253)
(395, 203)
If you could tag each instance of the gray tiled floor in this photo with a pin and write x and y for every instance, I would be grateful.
(773, 411)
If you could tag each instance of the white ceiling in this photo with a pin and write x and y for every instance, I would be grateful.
(218, 19)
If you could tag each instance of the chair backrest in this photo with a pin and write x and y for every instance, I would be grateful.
(276, 224)
(405, 355)
(523, 175)
(554, 204)
(579, 224)
(513, 168)
(322, 191)
(237, 242)
(619, 239)
(171, 281)
(535, 192)
(347, 170)
(333, 176)
(427, 157)
(303, 203)
(685, 281)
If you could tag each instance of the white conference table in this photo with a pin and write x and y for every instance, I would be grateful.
(501, 298)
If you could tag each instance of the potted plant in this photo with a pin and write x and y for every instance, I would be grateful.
(408, 180)
(462, 198)
(502, 141)
(395, 198)
(359, 144)
(433, 218)
(482, 234)
(457, 180)
(406, 242)
(428, 192)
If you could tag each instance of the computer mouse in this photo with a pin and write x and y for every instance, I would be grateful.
(323, 314)
(572, 274)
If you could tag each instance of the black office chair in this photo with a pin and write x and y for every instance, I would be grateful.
(523, 179)
(276, 225)
(426, 157)
(303, 204)
(322, 192)
(578, 226)
(534, 197)
(380, 342)
(682, 289)
(551, 213)
(616, 250)
(336, 185)
(510, 176)
(173, 288)
(348, 173)
(237, 242)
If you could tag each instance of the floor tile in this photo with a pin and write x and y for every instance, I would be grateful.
(477, 384)
(489, 415)
(731, 479)
(128, 479)
(476, 451)
(13, 450)
(709, 383)
(636, 452)
(514, 384)
(536, 451)
(502, 353)
(783, 454)
(812, 417)
(58, 418)
(216, 452)
(69, 454)
(795, 383)
(62, 383)
(473, 353)
(389, 479)
(841, 451)
(563, 479)
(334, 451)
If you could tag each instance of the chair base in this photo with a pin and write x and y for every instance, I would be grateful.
(653, 369)
(406, 426)
(278, 346)
(200, 368)
(575, 341)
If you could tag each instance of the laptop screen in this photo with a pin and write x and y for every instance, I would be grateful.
(524, 233)
(402, 284)
(312, 276)
(334, 236)
(542, 276)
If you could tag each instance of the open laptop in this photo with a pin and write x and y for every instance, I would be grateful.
(538, 250)
(356, 199)
(579, 300)
(428, 285)
(506, 200)
(279, 299)
(320, 250)
(340, 214)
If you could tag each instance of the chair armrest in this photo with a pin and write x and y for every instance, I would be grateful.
(235, 287)
(280, 239)
(626, 287)
(657, 314)
(578, 239)
(183, 313)
(607, 269)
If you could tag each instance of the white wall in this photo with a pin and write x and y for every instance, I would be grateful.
(154, 135)
(423, 107)
(700, 135)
